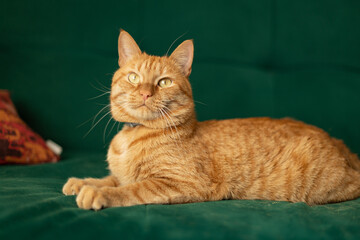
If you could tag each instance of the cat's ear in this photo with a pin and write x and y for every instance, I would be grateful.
(183, 55)
(127, 47)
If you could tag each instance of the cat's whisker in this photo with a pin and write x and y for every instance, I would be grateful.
(112, 126)
(175, 139)
(96, 123)
(163, 116)
(167, 109)
(101, 90)
(106, 128)
(102, 85)
(200, 103)
(167, 52)
(117, 129)
(163, 123)
(108, 92)
(108, 105)
(120, 103)
(81, 124)
(102, 104)
(93, 118)
(169, 114)
(162, 109)
(179, 138)
(168, 124)
(176, 130)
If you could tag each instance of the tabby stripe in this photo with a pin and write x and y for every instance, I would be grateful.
(192, 186)
(124, 112)
(314, 184)
(148, 159)
(135, 192)
(180, 102)
(142, 138)
(171, 186)
(146, 186)
(117, 79)
(137, 170)
(340, 184)
(179, 109)
(157, 156)
(183, 91)
(250, 158)
(159, 188)
(263, 180)
(157, 67)
(142, 66)
(333, 195)
(303, 182)
(289, 186)
(117, 95)
(151, 64)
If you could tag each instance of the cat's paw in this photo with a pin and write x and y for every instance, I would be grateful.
(73, 186)
(91, 198)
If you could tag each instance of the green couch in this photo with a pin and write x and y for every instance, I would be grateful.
(252, 58)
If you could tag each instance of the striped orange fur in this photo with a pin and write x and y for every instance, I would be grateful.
(170, 157)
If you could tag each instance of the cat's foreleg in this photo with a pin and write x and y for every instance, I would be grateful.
(74, 185)
(151, 191)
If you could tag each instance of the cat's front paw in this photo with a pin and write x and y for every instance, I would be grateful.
(73, 186)
(91, 198)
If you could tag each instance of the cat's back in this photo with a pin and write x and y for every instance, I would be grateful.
(263, 138)
(257, 128)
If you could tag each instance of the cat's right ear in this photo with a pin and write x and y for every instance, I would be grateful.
(127, 47)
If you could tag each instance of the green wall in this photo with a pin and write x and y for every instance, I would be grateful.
(252, 58)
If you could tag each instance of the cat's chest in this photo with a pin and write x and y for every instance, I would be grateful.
(122, 157)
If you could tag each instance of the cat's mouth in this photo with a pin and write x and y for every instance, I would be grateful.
(144, 111)
(139, 110)
(143, 105)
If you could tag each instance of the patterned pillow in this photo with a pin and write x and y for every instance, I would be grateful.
(18, 143)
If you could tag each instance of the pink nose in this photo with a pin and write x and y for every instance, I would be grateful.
(145, 94)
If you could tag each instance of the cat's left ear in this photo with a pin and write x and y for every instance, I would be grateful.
(127, 47)
(183, 56)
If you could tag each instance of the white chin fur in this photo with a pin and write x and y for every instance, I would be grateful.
(142, 113)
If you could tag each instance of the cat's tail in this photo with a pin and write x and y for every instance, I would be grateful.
(351, 158)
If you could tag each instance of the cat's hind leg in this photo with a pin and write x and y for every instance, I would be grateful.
(344, 188)
(349, 189)
(74, 185)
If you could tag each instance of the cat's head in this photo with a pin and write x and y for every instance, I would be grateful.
(150, 90)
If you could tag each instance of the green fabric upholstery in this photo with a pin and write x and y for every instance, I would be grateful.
(33, 207)
(275, 58)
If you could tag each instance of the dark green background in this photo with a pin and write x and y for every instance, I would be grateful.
(252, 58)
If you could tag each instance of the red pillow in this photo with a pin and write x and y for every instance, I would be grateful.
(18, 143)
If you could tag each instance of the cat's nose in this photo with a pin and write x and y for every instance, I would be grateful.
(146, 94)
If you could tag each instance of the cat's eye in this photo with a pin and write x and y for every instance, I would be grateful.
(166, 82)
(134, 78)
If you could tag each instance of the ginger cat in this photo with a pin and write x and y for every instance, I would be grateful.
(163, 155)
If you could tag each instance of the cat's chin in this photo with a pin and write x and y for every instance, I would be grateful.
(143, 113)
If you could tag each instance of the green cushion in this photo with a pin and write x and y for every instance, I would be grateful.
(32, 206)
